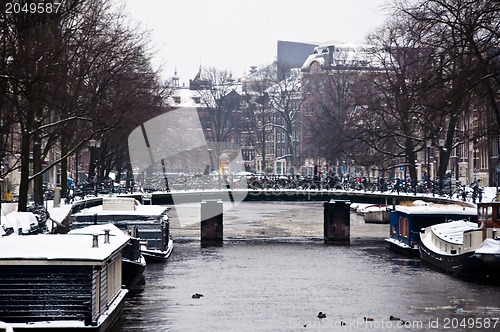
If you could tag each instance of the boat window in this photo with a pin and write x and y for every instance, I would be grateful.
(400, 226)
(446, 248)
(405, 230)
(459, 250)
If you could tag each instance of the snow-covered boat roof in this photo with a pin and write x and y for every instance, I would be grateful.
(421, 207)
(140, 210)
(453, 231)
(67, 247)
(19, 220)
(489, 247)
(99, 229)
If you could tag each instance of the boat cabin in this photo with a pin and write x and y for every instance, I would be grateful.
(454, 238)
(488, 215)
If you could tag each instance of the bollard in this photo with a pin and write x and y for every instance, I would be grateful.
(211, 222)
(57, 197)
(337, 221)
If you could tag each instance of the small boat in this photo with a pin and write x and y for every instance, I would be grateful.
(469, 250)
(148, 223)
(61, 282)
(20, 223)
(359, 207)
(408, 218)
(376, 214)
(451, 247)
(133, 262)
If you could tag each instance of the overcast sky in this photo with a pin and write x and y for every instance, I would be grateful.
(233, 34)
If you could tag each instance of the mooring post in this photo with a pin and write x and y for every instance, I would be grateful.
(337, 221)
(211, 222)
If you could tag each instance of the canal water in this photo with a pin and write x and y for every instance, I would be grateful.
(274, 273)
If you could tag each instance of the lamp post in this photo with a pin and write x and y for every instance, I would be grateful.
(474, 165)
(93, 146)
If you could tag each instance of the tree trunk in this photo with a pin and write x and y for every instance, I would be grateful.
(25, 172)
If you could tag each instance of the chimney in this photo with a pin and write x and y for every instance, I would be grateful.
(106, 236)
(95, 241)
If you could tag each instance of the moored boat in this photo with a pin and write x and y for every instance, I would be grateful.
(451, 247)
(408, 218)
(61, 282)
(470, 250)
(148, 223)
(376, 214)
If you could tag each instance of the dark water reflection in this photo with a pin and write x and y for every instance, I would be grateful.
(281, 284)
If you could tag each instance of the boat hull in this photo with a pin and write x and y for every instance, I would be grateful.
(157, 255)
(377, 217)
(402, 248)
(133, 272)
(466, 265)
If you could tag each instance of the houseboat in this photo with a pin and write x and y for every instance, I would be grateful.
(133, 262)
(148, 223)
(408, 218)
(61, 282)
(466, 249)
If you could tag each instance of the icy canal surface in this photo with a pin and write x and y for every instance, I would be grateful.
(273, 273)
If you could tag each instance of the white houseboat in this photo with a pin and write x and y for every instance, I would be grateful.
(61, 282)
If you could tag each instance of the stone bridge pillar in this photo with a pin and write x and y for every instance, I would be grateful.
(337, 221)
(211, 222)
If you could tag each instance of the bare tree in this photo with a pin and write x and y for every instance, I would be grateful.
(257, 112)
(70, 71)
(221, 105)
(285, 99)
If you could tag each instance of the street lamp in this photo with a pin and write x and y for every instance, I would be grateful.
(93, 146)
(474, 164)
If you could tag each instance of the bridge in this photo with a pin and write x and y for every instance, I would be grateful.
(169, 198)
(336, 206)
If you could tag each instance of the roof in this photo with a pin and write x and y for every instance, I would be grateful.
(67, 247)
(423, 208)
(151, 211)
(489, 247)
(453, 231)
